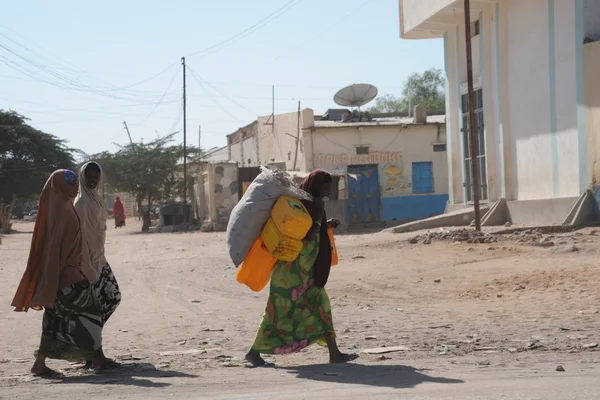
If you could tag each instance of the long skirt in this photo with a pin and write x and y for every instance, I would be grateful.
(108, 292)
(72, 330)
(298, 313)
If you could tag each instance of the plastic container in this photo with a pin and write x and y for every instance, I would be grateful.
(334, 253)
(280, 246)
(291, 218)
(255, 271)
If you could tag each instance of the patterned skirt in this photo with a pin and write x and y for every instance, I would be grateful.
(108, 292)
(72, 330)
(298, 313)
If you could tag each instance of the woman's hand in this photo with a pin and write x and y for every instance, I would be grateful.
(333, 223)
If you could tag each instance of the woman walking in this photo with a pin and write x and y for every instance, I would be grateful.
(298, 312)
(119, 213)
(53, 281)
(92, 213)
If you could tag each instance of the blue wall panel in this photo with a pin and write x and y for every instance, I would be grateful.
(411, 208)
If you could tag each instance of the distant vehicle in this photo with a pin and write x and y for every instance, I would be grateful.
(33, 212)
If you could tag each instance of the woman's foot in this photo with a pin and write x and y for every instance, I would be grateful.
(104, 364)
(342, 358)
(255, 360)
(40, 369)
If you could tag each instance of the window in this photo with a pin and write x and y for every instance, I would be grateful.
(475, 28)
(439, 147)
(362, 150)
(422, 177)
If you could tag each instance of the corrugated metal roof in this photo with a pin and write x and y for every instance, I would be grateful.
(431, 119)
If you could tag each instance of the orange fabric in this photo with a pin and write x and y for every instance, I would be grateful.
(55, 254)
(334, 253)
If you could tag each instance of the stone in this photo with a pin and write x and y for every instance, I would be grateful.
(427, 240)
(437, 281)
(560, 368)
(413, 241)
(568, 249)
(590, 346)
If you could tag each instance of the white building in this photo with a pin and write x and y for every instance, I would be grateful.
(535, 72)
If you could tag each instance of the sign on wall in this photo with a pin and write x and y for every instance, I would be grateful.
(343, 160)
(392, 180)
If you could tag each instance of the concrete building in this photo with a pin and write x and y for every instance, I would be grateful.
(535, 67)
(386, 169)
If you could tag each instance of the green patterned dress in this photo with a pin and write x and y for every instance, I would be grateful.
(298, 312)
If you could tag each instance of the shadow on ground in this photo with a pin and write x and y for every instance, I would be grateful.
(139, 375)
(390, 376)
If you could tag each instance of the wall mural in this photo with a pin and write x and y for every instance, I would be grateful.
(392, 180)
(226, 191)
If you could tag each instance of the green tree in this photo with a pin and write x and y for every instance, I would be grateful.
(149, 171)
(27, 158)
(426, 88)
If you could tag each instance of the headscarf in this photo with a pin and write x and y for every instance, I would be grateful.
(92, 212)
(55, 245)
(312, 184)
(118, 207)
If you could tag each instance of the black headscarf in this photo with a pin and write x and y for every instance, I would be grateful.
(312, 184)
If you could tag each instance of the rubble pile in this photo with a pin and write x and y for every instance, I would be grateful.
(464, 235)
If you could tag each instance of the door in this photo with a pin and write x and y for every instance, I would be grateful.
(363, 194)
(245, 177)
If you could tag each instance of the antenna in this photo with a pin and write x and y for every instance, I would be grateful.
(356, 95)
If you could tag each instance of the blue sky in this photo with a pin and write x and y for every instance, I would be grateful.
(79, 71)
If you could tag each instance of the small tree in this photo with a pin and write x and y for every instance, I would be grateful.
(27, 158)
(146, 170)
(426, 88)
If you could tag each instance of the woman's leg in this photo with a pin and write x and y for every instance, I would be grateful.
(255, 359)
(39, 366)
(335, 355)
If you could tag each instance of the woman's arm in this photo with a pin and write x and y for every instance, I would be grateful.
(317, 216)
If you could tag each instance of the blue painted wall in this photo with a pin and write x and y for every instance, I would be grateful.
(411, 208)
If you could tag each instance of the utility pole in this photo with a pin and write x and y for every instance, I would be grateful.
(473, 129)
(273, 105)
(128, 134)
(297, 139)
(199, 137)
(184, 145)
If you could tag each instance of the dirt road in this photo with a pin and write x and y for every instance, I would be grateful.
(479, 321)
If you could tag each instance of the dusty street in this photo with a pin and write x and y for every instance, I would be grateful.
(478, 321)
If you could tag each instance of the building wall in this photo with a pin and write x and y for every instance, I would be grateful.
(393, 149)
(218, 155)
(277, 143)
(415, 12)
(526, 59)
(245, 152)
(591, 12)
(591, 66)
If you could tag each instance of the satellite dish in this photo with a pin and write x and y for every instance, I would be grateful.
(356, 95)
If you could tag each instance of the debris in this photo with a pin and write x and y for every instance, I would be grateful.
(443, 349)
(194, 301)
(333, 374)
(454, 236)
(386, 350)
(371, 338)
(518, 287)
(213, 330)
(358, 258)
(491, 248)
(485, 349)
(590, 346)
(499, 295)
(182, 343)
(427, 240)
(560, 368)
(437, 281)
(413, 241)
(484, 363)
(367, 307)
(447, 326)
(508, 224)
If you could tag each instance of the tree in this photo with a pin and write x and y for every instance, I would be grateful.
(426, 88)
(27, 158)
(146, 170)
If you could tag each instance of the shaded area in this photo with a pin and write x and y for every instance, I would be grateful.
(139, 375)
(390, 376)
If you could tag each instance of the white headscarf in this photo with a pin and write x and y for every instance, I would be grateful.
(92, 212)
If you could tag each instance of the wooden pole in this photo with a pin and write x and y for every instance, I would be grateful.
(473, 128)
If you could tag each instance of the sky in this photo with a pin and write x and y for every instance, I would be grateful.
(79, 72)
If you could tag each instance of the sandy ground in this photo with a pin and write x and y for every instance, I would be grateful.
(479, 321)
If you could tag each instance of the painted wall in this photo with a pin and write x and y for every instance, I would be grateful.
(389, 146)
(415, 12)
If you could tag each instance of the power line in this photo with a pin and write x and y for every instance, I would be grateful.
(214, 100)
(271, 17)
(161, 99)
